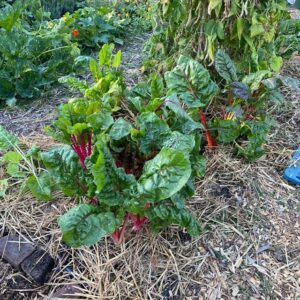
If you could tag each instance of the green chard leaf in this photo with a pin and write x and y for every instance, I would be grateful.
(120, 129)
(41, 187)
(191, 82)
(164, 175)
(163, 215)
(86, 225)
(65, 170)
(225, 66)
(152, 132)
(113, 184)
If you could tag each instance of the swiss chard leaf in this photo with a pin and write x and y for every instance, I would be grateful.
(41, 187)
(120, 129)
(85, 225)
(162, 215)
(191, 81)
(225, 66)
(113, 184)
(152, 132)
(64, 167)
(164, 175)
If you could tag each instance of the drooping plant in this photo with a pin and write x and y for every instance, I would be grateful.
(244, 45)
(256, 34)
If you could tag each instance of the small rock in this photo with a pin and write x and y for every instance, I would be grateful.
(38, 265)
(66, 292)
(14, 250)
(222, 191)
(280, 256)
(184, 236)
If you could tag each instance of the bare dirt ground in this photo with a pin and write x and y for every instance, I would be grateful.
(249, 248)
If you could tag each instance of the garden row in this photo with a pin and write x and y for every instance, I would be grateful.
(132, 156)
(36, 50)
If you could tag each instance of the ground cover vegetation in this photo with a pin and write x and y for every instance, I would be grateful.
(36, 49)
(132, 155)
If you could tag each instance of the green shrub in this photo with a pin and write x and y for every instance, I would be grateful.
(256, 34)
(31, 57)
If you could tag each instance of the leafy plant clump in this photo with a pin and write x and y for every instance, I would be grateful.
(258, 35)
(132, 156)
(126, 162)
(33, 54)
(93, 26)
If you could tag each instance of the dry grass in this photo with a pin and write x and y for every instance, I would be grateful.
(249, 248)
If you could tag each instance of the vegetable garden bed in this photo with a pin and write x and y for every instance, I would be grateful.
(249, 245)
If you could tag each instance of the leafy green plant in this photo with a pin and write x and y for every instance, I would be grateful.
(21, 167)
(245, 122)
(31, 59)
(132, 162)
(94, 26)
(256, 34)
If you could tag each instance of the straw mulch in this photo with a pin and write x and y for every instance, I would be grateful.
(249, 247)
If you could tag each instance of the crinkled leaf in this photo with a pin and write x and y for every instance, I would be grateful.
(164, 175)
(199, 164)
(117, 59)
(95, 69)
(100, 121)
(183, 121)
(241, 90)
(254, 80)
(191, 81)
(179, 141)
(84, 225)
(64, 168)
(225, 66)
(152, 132)
(228, 130)
(113, 184)
(161, 216)
(120, 129)
(157, 87)
(40, 187)
(105, 55)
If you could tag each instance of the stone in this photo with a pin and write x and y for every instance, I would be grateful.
(15, 250)
(38, 265)
(66, 292)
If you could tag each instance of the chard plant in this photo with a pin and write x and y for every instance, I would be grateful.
(131, 157)
(133, 164)
(244, 120)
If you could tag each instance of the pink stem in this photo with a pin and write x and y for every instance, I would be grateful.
(83, 146)
(77, 149)
(118, 235)
(138, 222)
